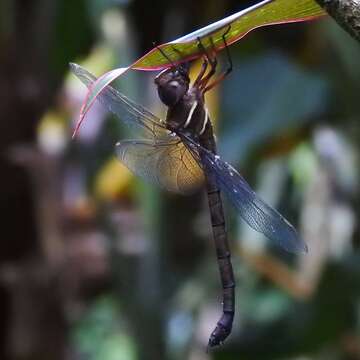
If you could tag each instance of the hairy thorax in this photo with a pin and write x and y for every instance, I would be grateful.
(188, 114)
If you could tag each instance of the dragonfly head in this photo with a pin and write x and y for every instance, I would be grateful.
(173, 83)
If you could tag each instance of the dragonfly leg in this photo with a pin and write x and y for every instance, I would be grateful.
(228, 55)
(162, 52)
(201, 73)
(176, 50)
(230, 64)
(212, 60)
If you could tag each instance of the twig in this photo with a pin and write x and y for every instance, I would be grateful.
(346, 13)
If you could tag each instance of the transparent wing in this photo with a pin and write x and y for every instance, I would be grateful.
(259, 215)
(168, 164)
(125, 109)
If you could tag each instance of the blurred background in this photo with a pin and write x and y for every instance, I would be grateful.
(96, 264)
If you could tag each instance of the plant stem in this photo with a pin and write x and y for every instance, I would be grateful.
(346, 13)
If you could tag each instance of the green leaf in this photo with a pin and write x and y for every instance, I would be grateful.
(94, 89)
(236, 26)
(267, 12)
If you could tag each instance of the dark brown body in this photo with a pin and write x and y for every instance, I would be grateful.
(179, 162)
(189, 114)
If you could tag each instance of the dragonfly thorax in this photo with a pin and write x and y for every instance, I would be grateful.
(188, 115)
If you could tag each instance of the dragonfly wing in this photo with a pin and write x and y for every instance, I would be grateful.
(259, 215)
(131, 113)
(168, 164)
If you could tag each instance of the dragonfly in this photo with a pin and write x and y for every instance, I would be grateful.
(179, 154)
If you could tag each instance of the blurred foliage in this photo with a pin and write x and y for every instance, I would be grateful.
(100, 333)
(73, 30)
(268, 96)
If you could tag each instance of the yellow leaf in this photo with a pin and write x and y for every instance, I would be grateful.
(112, 180)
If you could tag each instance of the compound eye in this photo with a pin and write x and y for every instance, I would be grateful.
(160, 74)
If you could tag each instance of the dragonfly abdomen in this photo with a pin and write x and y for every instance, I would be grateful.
(224, 325)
